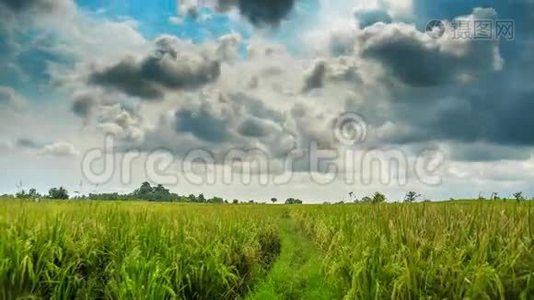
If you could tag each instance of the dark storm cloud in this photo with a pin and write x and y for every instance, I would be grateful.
(203, 125)
(148, 78)
(473, 95)
(511, 120)
(20, 5)
(83, 105)
(126, 76)
(228, 119)
(315, 78)
(253, 127)
(166, 68)
(265, 11)
(479, 152)
(260, 12)
(28, 143)
(418, 60)
(487, 111)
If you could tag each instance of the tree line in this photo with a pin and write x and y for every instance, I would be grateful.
(159, 193)
(146, 191)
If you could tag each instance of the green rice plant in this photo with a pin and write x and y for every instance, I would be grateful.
(136, 250)
(474, 250)
(57, 250)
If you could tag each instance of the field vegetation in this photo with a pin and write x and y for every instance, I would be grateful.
(141, 250)
(57, 250)
(465, 250)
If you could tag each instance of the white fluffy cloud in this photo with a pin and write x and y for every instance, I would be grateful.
(63, 149)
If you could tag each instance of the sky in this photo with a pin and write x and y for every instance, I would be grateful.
(255, 99)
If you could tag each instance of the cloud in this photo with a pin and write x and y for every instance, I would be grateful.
(19, 15)
(258, 12)
(10, 99)
(5, 146)
(204, 124)
(483, 112)
(62, 149)
(229, 118)
(417, 59)
(53, 149)
(116, 120)
(28, 143)
(168, 67)
(23, 5)
(255, 127)
(84, 104)
(270, 92)
(484, 152)
(368, 17)
(261, 12)
(316, 76)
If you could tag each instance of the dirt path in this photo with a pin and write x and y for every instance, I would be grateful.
(297, 272)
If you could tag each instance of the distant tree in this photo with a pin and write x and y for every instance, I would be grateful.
(149, 193)
(273, 200)
(145, 188)
(201, 198)
(235, 201)
(367, 199)
(411, 196)
(519, 196)
(21, 195)
(378, 198)
(251, 201)
(33, 194)
(293, 201)
(216, 200)
(160, 189)
(494, 196)
(58, 193)
(326, 203)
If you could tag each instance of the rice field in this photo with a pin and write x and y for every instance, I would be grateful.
(132, 250)
(478, 250)
(137, 250)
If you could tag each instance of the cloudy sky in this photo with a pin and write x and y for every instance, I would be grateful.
(177, 92)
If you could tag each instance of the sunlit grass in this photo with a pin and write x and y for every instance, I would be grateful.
(132, 250)
(475, 250)
(137, 250)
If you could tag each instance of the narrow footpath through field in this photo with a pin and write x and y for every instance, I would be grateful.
(297, 272)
